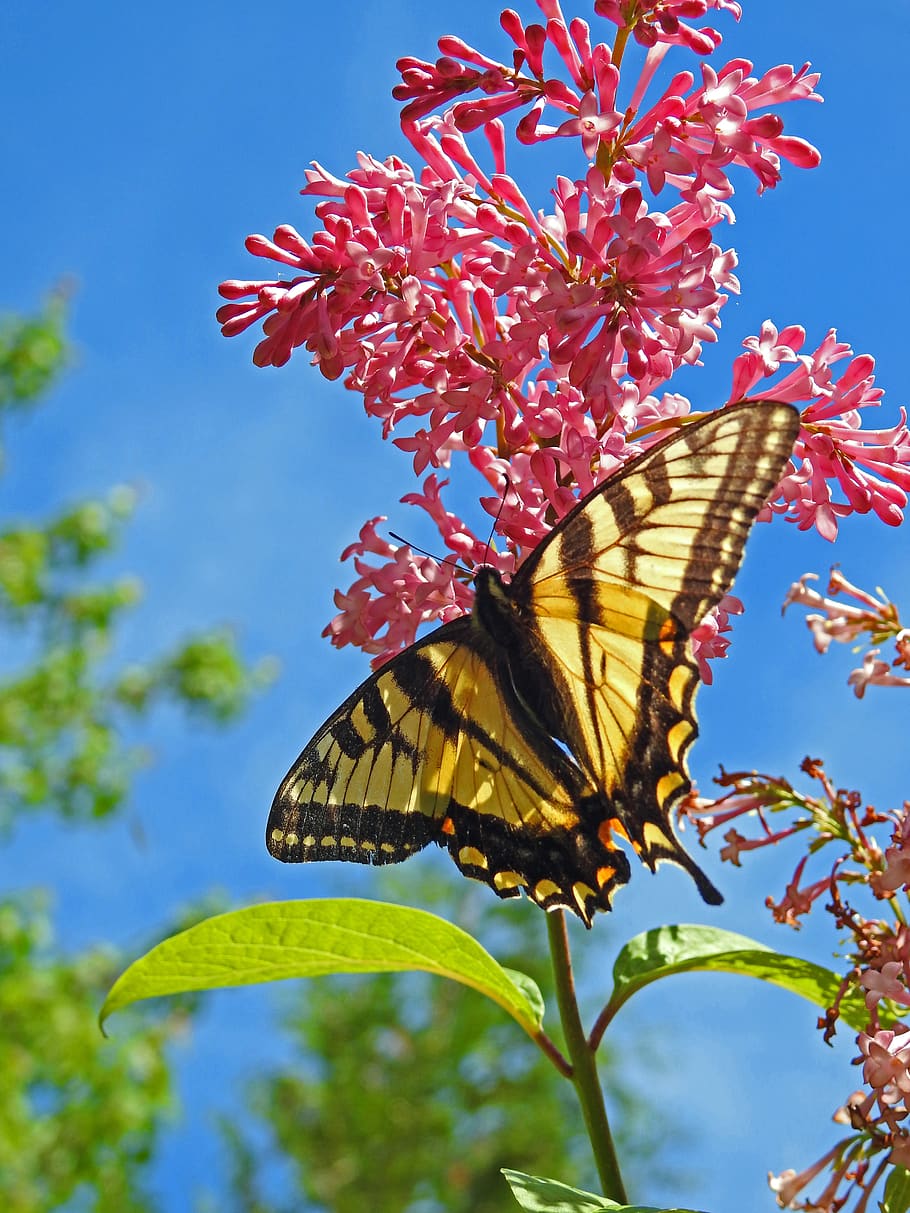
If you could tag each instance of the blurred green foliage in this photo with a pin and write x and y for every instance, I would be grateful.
(80, 1115)
(417, 1091)
(62, 709)
(33, 351)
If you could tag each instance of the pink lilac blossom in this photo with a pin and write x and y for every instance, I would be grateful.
(844, 622)
(846, 1166)
(658, 21)
(877, 954)
(874, 672)
(896, 871)
(871, 468)
(884, 983)
(539, 344)
(710, 638)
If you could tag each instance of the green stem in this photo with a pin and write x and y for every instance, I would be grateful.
(619, 46)
(584, 1066)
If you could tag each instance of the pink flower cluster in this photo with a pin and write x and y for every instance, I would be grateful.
(843, 621)
(652, 21)
(871, 468)
(878, 956)
(540, 344)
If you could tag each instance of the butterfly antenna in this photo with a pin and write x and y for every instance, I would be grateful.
(423, 551)
(502, 506)
(454, 559)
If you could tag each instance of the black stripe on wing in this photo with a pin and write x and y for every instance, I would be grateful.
(638, 563)
(576, 867)
(334, 802)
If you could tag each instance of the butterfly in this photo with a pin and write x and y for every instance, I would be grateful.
(534, 734)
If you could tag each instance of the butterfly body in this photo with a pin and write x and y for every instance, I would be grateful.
(555, 719)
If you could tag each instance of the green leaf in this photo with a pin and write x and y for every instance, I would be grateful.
(531, 991)
(685, 949)
(284, 939)
(537, 1195)
(33, 352)
(897, 1191)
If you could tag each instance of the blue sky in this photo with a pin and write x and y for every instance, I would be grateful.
(142, 145)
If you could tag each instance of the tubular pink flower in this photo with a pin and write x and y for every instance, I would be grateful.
(737, 843)
(706, 817)
(842, 621)
(473, 323)
(871, 468)
(657, 158)
(879, 607)
(428, 590)
(426, 86)
(874, 672)
(659, 21)
(788, 1185)
(877, 954)
(709, 639)
(712, 128)
(895, 873)
(796, 902)
(591, 125)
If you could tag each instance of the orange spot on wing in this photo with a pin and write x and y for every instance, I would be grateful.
(448, 826)
(668, 629)
(608, 828)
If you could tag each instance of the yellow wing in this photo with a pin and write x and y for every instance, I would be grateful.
(560, 712)
(613, 593)
(434, 747)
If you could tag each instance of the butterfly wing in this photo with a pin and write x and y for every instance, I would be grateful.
(434, 747)
(453, 740)
(613, 593)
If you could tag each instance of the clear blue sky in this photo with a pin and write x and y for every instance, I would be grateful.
(141, 144)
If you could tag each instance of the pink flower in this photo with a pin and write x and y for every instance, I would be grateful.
(845, 622)
(887, 1056)
(884, 983)
(658, 21)
(788, 1185)
(870, 468)
(797, 901)
(593, 124)
(369, 616)
(874, 672)
(895, 873)
(709, 639)
(473, 323)
(658, 159)
(841, 621)
(737, 843)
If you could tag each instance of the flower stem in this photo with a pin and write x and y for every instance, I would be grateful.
(584, 1065)
(619, 46)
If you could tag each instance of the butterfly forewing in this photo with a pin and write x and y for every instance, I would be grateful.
(616, 589)
(434, 748)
